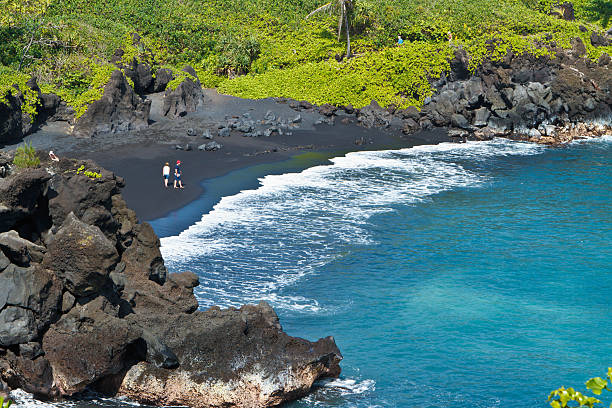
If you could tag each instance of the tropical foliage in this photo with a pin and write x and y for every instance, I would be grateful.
(260, 48)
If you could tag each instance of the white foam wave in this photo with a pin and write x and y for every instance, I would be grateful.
(348, 390)
(23, 399)
(265, 240)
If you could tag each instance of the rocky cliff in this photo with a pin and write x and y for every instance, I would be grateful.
(86, 302)
(550, 99)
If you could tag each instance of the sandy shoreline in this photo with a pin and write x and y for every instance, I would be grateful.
(138, 157)
(140, 165)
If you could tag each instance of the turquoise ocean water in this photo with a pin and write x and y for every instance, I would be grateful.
(457, 275)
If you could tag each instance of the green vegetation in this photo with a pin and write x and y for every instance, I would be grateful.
(260, 48)
(91, 174)
(3, 404)
(561, 398)
(25, 157)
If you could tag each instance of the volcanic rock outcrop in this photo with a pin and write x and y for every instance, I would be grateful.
(86, 302)
(118, 110)
(543, 100)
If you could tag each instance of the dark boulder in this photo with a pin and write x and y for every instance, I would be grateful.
(17, 325)
(578, 47)
(163, 76)
(305, 105)
(119, 109)
(458, 120)
(182, 100)
(374, 116)
(189, 69)
(410, 126)
(474, 92)
(567, 11)
(86, 198)
(410, 112)
(82, 256)
(10, 120)
(598, 40)
(210, 147)
(481, 117)
(88, 344)
(19, 250)
(142, 258)
(35, 293)
(141, 76)
(254, 333)
(327, 110)
(19, 195)
(500, 126)
(459, 66)
(188, 280)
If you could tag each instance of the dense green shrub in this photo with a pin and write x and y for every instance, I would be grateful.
(398, 76)
(235, 55)
(25, 157)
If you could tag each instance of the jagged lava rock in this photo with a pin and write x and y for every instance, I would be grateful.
(87, 302)
(185, 98)
(118, 110)
(243, 375)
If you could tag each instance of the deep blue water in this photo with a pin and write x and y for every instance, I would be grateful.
(472, 275)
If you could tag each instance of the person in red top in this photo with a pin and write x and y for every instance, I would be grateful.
(177, 174)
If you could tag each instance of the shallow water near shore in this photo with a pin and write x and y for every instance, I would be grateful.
(457, 275)
(473, 275)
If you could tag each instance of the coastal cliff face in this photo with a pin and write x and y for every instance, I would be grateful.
(544, 100)
(86, 301)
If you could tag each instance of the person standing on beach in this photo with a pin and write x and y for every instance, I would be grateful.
(166, 174)
(177, 174)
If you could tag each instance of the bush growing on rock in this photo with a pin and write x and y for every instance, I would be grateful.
(25, 157)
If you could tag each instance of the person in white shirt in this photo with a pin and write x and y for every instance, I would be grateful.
(166, 174)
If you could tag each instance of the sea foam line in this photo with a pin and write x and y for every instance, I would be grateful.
(267, 239)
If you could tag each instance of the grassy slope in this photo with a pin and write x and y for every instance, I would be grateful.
(284, 54)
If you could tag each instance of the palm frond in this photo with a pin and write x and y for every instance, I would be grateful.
(321, 9)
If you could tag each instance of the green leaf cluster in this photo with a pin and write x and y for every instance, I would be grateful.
(179, 76)
(15, 83)
(561, 397)
(91, 174)
(25, 157)
(3, 404)
(81, 85)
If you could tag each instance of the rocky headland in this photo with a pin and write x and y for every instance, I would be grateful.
(86, 302)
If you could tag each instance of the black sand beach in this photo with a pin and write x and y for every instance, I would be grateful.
(138, 157)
